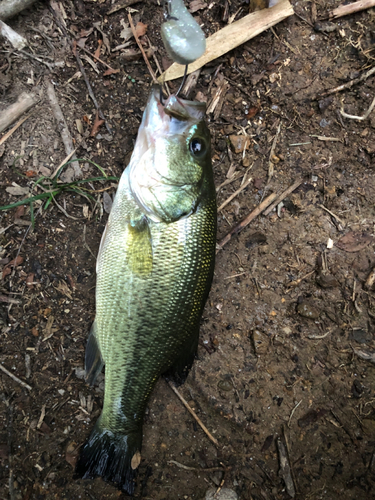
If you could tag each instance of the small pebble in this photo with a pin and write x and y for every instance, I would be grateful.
(224, 494)
(307, 310)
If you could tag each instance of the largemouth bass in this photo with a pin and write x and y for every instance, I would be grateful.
(154, 272)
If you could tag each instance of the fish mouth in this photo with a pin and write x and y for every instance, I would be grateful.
(164, 127)
(173, 107)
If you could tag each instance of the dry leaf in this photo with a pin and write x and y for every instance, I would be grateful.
(110, 71)
(97, 52)
(354, 241)
(71, 453)
(196, 5)
(30, 280)
(252, 112)
(140, 29)
(96, 126)
(107, 202)
(30, 173)
(17, 190)
(63, 288)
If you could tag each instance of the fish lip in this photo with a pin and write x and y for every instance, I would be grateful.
(174, 107)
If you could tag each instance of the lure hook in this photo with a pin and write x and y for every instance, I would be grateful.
(183, 80)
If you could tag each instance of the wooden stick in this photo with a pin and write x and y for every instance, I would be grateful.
(345, 10)
(232, 36)
(141, 48)
(257, 211)
(10, 8)
(233, 195)
(13, 377)
(12, 130)
(198, 420)
(283, 195)
(74, 171)
(272, 152)
(17, 41)
(348, 85)
(14, 111)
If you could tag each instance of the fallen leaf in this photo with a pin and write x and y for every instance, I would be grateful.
(354, 241)
(34, 331)
(130, 55)
(71, 453)
(17, 190)
(126, 33)
(20, 212)
(107, 202)
(239, 142)
(196, 5)
(86, 33)
(96, 126)
(110, 71)
(63, 288)
(97, 52)
(252, 112)
(81, 42)
(30, 280)
(141, 29)
(13, 263)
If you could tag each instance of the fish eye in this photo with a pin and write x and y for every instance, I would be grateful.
(197, 146)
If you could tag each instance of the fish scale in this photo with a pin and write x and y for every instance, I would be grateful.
(154, 272)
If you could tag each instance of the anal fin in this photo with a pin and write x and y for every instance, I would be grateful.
(179, 370)
(93, 359)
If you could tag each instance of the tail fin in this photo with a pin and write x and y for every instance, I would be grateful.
(113, 456)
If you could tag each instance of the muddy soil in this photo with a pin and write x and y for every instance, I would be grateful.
(290, 316)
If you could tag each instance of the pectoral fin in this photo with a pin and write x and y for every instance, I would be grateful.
(139, 248)
(93, 359)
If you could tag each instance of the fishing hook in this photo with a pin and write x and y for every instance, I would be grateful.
(183, 80)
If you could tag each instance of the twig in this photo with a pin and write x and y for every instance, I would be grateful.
(285, 469)
(74, 171)
(333, 215)
(50, 66)
(89, 88)
(12, 493)
(283, 195)
(17, 41)
(318, 337)
(10, 8)
(9, 300)
(191, 82)
(198, 420)
(13, 377)
(298, 281)
(292, 412)
(12, 130)
(348, 85)
(345, 10)
(354, 117)
(232, 196)
(141, 49)
(197, 469)
(100, 60)
(73, 44)
(235, 230)
(14, 111)
(122, 5)
(272, 152)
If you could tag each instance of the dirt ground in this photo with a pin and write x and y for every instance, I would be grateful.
(289, 317)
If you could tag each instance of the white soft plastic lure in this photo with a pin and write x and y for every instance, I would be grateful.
(182, 36)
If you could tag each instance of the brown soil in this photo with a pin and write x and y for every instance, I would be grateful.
(286, 316)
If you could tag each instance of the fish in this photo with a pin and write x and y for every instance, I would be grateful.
(154, 271)
(182, 36)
